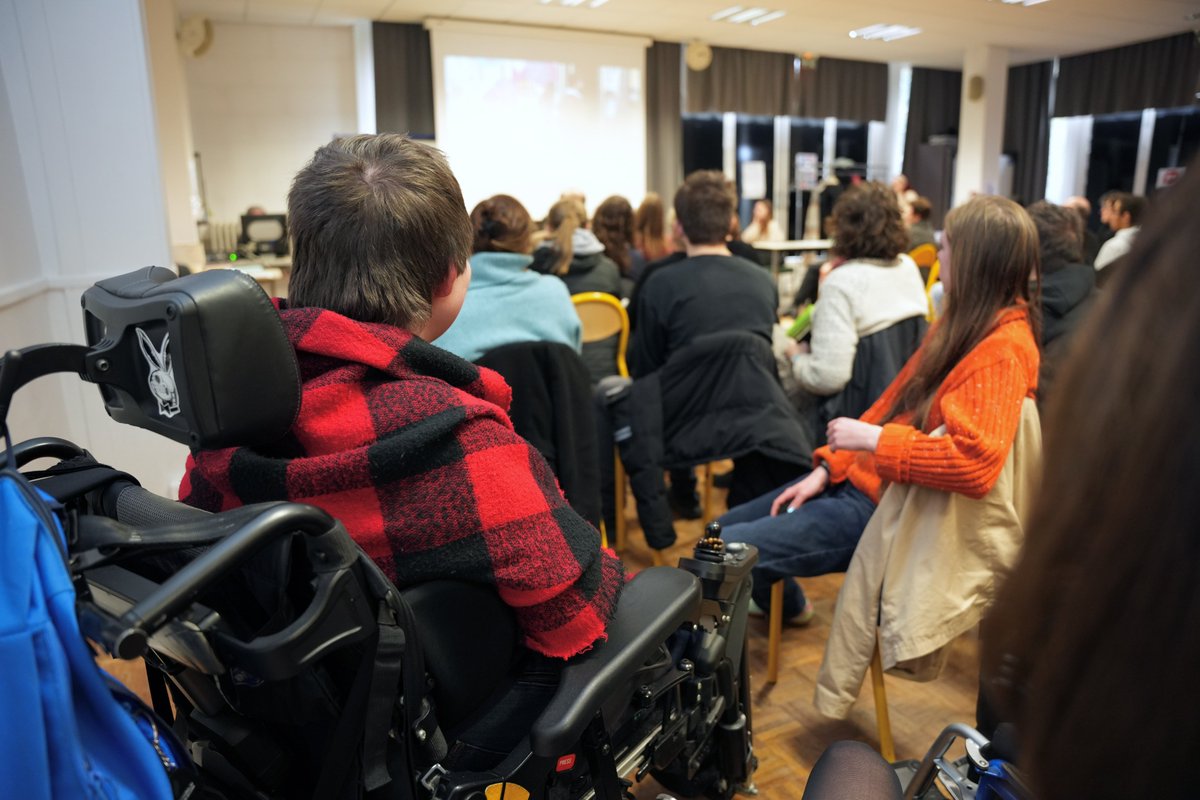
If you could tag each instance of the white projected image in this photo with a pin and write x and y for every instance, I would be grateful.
(533, 129)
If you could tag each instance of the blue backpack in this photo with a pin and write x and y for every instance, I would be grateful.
(71, 731)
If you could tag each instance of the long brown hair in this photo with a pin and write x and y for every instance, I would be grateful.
(613, 226)
(1092, 649)
(649, 228)
(564, 218)
(994, 265)
(502, 225)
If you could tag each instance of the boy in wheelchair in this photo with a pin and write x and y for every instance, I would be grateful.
(280, 653)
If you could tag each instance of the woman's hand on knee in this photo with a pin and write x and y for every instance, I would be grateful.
(845, 433)
(805, 489)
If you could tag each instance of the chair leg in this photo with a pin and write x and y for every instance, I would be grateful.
(883, 722)
(774, 631)
(603, 536)
(619, 501)
(707, 493)
(656, 558)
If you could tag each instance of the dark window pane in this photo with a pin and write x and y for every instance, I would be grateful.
(755, 142)
(807, 136)
(1176, 140)
(1113, 159)
(701, 143)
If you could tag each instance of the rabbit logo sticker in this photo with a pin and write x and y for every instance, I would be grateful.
(162, 377)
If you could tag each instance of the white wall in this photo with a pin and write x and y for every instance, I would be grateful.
(174, 128)
(263, 99)
(82, 198)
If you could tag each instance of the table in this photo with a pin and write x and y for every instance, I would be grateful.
(777, 249)
(270, 278)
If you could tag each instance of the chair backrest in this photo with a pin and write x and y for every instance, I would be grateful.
(721, 398)
(603, 317)
(878, 358)
(924, 255)
(552, 409)
(934, 276)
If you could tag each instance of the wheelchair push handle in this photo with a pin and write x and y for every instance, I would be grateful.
(127, 636)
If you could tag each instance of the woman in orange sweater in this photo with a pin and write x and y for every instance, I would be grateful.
(976, 366)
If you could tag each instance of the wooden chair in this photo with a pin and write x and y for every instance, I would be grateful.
(603, 317)
(883, 722)
(927, 260)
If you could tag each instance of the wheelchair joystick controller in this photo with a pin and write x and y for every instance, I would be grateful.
(711, 547)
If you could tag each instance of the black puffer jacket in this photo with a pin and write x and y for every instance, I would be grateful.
(1067, 293)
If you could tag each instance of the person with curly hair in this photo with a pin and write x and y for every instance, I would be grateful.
(872, 285)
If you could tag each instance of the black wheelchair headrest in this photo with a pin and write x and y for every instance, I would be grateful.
(202, 359)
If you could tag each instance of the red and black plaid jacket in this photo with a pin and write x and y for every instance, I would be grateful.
(412, 449)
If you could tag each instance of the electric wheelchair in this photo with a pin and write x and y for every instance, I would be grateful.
(285, 662)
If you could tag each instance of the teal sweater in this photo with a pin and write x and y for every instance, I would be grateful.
(506, 303)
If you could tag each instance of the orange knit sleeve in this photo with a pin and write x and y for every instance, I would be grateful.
(839, 463)
(981, 414)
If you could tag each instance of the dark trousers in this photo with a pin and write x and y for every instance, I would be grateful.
(817, 538)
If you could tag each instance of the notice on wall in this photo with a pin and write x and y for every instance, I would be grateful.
(754, 180)
(1168, 176)
(808, 172)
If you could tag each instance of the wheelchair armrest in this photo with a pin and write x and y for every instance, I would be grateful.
(651, 607)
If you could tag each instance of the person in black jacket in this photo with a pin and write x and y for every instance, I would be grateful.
(1068, 285)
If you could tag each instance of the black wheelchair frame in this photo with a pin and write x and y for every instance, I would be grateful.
(667, 694)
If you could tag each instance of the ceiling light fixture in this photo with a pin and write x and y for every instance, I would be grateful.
(596, 3)
(728, 12)
(747, 15)
(774, 15)
(884, 32)
(1023, 2)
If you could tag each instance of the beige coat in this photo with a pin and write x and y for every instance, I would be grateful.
(926, 569)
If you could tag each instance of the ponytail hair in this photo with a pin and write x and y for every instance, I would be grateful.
(564, 218)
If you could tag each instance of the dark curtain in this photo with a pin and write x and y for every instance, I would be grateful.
(1027, 128)
(1157, 74)
(664, 127)
(835, 87)
(741, 81)
(403, 79)
(933, 108)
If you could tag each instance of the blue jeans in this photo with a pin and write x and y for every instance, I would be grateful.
(817, 538)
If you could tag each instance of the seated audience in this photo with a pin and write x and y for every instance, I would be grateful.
(762, 227)
(408, 445)
(613, 225)
(970, 375)
(872, 286)
(1068, 284)
(508, 302)
(1101, 708)
(650, 233)
(920, 230)
(1124, 219)
(574, 254)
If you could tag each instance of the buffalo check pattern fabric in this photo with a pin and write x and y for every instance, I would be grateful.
(412, 449)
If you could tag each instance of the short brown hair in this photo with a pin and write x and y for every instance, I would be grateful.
(1060, 235)
(375, 222)
(704, 206)
(866, 223)
(502, 225)
(921, 208)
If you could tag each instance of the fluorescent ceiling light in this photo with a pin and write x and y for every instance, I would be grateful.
(728, 12)
(597, 3)
(884, 32)
(1023, 2)
(747, 15)
(774, 15)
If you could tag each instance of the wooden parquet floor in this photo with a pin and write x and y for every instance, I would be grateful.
(789, 734)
